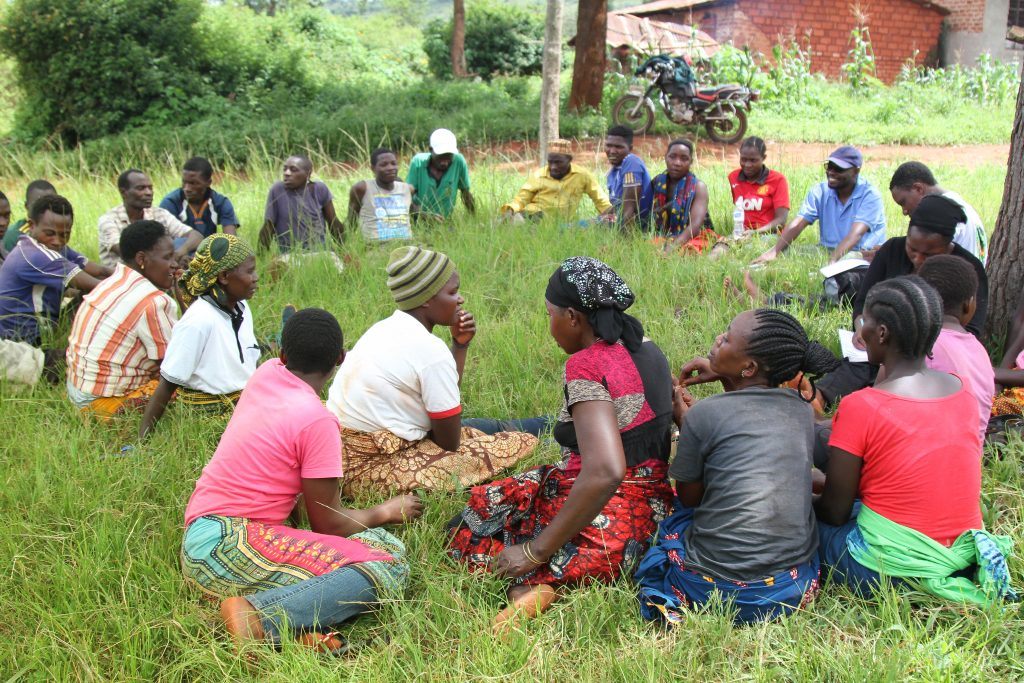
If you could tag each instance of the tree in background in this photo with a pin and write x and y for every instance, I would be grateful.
(1005, 263)
(500, 40)
(459, 39)
(549, 88)
(591, 55)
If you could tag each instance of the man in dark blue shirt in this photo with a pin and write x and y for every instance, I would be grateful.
(629, 183)
(196, 204)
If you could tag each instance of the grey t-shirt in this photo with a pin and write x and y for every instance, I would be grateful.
(298, 215)
(753, 450)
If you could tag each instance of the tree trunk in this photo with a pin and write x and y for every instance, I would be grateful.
(591, 55)
(552, 69)
(1006, 251)
(459, 39)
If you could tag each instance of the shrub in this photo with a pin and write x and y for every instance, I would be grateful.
(990, 80)
(500, 40)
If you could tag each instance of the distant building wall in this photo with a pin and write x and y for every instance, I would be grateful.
(977, 26)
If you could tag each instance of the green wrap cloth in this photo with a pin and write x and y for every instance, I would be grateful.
(216, 254)
(901, 552)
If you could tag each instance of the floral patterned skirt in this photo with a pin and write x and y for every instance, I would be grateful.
(515, 510)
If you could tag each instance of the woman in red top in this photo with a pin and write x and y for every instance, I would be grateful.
(908, 447)
(765, 192)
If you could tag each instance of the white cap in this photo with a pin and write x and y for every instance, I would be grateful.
(442, 141)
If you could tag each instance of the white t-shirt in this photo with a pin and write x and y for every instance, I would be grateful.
(204, 353)
(970, 235)
(398, 377)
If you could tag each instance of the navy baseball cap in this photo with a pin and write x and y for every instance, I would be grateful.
(847, 157)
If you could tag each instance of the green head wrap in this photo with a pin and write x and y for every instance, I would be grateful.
(215, 255)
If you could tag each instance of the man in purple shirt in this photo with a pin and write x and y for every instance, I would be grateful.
(629, 182)
(34, 275)
(299, 210)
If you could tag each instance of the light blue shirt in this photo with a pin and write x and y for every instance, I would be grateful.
(835, 218)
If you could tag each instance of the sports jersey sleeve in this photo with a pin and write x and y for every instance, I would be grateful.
(318, 448)
(633, 171)
(169, 205)
(781, 198)
(439, 383)
(226, 213)
(49, 268)
(811, 207)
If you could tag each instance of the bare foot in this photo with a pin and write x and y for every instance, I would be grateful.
(241, 620)
(525, 602)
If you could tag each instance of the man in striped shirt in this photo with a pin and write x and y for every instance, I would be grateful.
(122, 328)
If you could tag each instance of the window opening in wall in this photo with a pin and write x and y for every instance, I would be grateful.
(1015, 17)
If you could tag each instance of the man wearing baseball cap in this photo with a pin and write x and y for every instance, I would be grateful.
(847, 208)
(437, 175)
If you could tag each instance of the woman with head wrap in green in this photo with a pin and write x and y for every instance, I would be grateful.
(215, 352)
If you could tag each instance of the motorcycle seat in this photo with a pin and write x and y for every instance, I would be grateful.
(714, 92)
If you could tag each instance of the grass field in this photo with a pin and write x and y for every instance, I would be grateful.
(92, 586)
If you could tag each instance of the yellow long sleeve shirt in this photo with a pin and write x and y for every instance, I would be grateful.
(543, 194)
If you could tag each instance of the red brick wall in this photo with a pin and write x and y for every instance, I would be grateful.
(966, 15)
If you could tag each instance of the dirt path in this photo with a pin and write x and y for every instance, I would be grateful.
(519, 155)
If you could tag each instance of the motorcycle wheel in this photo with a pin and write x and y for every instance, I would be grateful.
(729, 130)
(622, 114)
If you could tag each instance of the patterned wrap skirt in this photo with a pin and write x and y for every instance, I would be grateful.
(380, 461)
(515, 510)
(228, 556)
(667, 587)
(1009, 402)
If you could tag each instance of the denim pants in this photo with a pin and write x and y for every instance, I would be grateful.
(837, 563)
(314, 604)
(538, 426)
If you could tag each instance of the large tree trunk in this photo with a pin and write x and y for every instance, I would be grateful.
(459, 39)
(552, 69)
(1006, 252)
(588, 71)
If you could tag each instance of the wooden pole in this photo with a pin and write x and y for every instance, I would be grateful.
(551, 73)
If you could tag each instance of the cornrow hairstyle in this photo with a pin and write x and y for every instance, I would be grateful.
(53, 203)
(781, 348)
(755, 143)
(680, 141)
(376, 154)
(624, 132)
(911, 172)
(911, 310)
(953, 278)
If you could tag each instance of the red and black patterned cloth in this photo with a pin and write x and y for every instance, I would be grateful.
(514, 510)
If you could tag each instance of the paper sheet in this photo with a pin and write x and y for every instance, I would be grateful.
(849, 350)
(842, 266)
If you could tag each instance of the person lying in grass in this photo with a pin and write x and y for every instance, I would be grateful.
(556, 189)
(680, 204)
(282, 445)
(381, 206)
(584, 518)
(121, 330)
(908, 448)
(956, 350)
(33, 280)
(213, 350)
(745, 529)
(398, 398)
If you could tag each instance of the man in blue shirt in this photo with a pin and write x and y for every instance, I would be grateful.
(629, 183)
(196, 204)
(848, 210)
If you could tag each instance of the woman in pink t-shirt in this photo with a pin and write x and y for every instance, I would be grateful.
(280, 444)
(908, 448)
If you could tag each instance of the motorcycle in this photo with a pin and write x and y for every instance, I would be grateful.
(722, 108)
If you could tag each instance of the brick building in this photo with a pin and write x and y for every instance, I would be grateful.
(900, 29)
(976, 26)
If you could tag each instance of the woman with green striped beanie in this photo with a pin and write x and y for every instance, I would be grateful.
(397, 393)
(213, 349)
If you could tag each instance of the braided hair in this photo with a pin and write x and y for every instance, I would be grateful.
(911, 310)
(781, 348)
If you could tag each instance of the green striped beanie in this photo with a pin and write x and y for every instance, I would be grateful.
(416, 274)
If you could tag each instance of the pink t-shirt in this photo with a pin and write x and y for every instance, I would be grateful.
(279, 434)
(961, 354)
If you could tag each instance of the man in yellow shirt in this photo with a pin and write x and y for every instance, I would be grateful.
(557, 188)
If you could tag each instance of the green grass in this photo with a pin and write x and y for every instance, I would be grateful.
(92, 589)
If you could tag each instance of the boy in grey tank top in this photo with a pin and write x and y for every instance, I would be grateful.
(380, 206)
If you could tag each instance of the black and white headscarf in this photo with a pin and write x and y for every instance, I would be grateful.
(592, 287)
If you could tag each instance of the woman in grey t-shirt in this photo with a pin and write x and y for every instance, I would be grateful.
(743, 476)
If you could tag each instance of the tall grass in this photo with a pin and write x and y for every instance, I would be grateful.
(93, 590)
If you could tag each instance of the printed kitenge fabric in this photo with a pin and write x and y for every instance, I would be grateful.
(106, 407)
(381, 461)
(517, 509)
(667, 586)
(215, 404)
(673, 216)
(234, 556)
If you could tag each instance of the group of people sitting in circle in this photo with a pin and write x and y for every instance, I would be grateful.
(768, 502)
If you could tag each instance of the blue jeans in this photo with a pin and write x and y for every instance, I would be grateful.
(837, 563)
(538, 426)
(314, 604)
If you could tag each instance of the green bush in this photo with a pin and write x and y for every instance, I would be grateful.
(500, 40)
